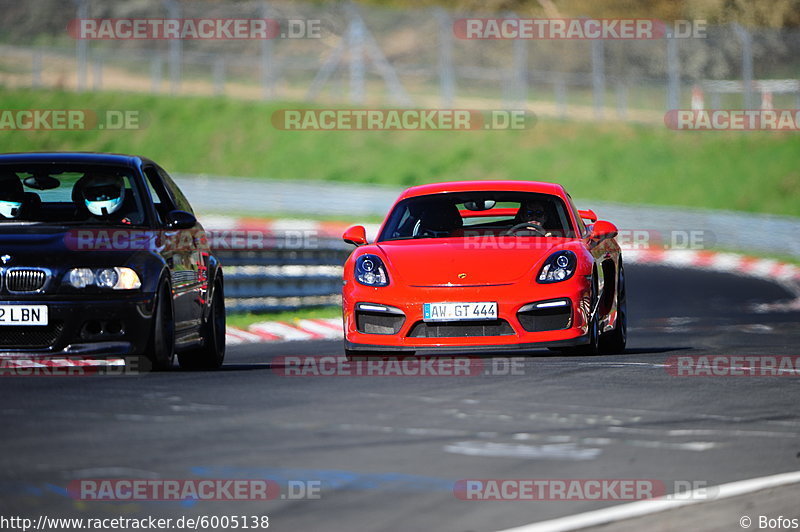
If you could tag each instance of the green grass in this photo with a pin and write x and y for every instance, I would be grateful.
(756, 171)
(245, 320)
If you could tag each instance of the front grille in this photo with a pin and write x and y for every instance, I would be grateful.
(25, 280)
(457, 329)
(379, 322)
(30, 336)
(545, 319)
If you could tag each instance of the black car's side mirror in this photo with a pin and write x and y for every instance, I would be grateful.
(180, 220)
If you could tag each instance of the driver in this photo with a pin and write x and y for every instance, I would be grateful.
(103, 196)
(12, 196)
(534, 214)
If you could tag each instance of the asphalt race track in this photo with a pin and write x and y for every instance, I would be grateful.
(386, 452)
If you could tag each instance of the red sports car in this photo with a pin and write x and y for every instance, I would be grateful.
(485, 265)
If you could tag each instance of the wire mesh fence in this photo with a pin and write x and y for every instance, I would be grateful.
(367, 55)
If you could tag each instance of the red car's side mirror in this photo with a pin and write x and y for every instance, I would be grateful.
(355, 235)
(602, 230)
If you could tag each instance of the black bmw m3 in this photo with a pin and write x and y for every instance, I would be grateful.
(101, 255)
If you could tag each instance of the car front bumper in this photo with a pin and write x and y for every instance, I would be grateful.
(510, 298)
(81, 328)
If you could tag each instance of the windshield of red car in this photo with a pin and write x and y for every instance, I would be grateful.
(479, 214)
(61, 194)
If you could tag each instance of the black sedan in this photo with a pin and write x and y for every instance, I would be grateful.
(102, 256)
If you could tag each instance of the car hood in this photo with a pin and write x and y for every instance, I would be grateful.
(460, 262)
(53, 246)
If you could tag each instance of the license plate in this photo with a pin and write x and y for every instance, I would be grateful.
(459, 311)
(23, 314)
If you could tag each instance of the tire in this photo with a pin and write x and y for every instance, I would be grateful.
(592, 347)
(613, 342)
(160, 351)
(212, 353)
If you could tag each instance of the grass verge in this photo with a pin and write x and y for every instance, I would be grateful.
(755, 171)
(245, 320)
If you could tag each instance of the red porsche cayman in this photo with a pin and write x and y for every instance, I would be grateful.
(485, 265)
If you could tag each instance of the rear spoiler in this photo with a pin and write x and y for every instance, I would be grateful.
(588, 214)
(501, 211)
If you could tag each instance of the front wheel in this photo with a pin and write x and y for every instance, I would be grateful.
(212, 353)
(160, 351)
(592, 347)
(613, 342)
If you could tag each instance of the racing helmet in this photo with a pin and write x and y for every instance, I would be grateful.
(533, 210)
(11, 196)
(103, 194)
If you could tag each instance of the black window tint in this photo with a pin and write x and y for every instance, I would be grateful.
(58, 193)
(180, 200)
(161, 200)
(441, 215)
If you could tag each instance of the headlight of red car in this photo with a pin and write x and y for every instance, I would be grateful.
(558, 267)
(370, 271)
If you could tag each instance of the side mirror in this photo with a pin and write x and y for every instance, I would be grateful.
(602, 230)
(355, 235)
(180, 220)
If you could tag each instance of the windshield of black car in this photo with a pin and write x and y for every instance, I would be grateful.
(61, 193)
(478, 214)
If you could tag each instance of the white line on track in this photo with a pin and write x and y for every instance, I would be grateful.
(552, 451)
(640, 508)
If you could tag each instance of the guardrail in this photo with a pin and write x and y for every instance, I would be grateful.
(275, 277)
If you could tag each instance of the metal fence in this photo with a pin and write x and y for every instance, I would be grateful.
(369, 55)
(283, 279)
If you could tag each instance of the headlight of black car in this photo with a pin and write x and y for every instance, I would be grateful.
(113, 278)
(370, 271)
(558, 267)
